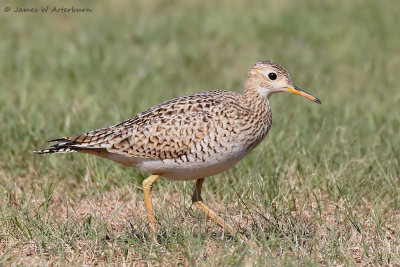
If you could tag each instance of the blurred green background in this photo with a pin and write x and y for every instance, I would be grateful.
(65, 74)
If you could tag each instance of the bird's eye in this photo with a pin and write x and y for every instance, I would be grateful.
(272, 76)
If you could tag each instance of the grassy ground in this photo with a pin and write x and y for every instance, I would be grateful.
(323, 188)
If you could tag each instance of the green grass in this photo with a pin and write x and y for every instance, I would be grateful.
(323, 188)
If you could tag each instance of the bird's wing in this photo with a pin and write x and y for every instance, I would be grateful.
(162, 137)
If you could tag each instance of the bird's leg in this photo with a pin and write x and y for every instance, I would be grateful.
(147, 186)
(198, 202)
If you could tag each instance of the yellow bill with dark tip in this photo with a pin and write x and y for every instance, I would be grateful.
(296, 90)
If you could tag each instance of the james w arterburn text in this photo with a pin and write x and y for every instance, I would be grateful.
(47, 9)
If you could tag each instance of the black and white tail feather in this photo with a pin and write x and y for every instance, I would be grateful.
(62, 145)
(89, 142)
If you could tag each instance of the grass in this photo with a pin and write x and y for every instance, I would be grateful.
(323, 188)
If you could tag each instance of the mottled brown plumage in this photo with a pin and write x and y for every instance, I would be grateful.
(169, 130)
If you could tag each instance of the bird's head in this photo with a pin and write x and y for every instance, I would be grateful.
(266, 78)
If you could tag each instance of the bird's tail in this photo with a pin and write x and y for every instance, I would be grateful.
(90, 142)
(62, 145)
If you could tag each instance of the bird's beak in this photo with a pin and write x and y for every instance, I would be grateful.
(296, 90)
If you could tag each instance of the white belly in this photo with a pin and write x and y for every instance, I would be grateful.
(173, 170)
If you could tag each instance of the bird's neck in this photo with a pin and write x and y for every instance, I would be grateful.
(254, 99)
(260, 113)
(257, 104)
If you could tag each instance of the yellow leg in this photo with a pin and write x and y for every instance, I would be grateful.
(197, 201)
(147, 186)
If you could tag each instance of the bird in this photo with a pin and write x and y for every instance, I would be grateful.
(190, 137)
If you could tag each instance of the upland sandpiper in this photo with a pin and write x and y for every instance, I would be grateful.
(190, 137)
